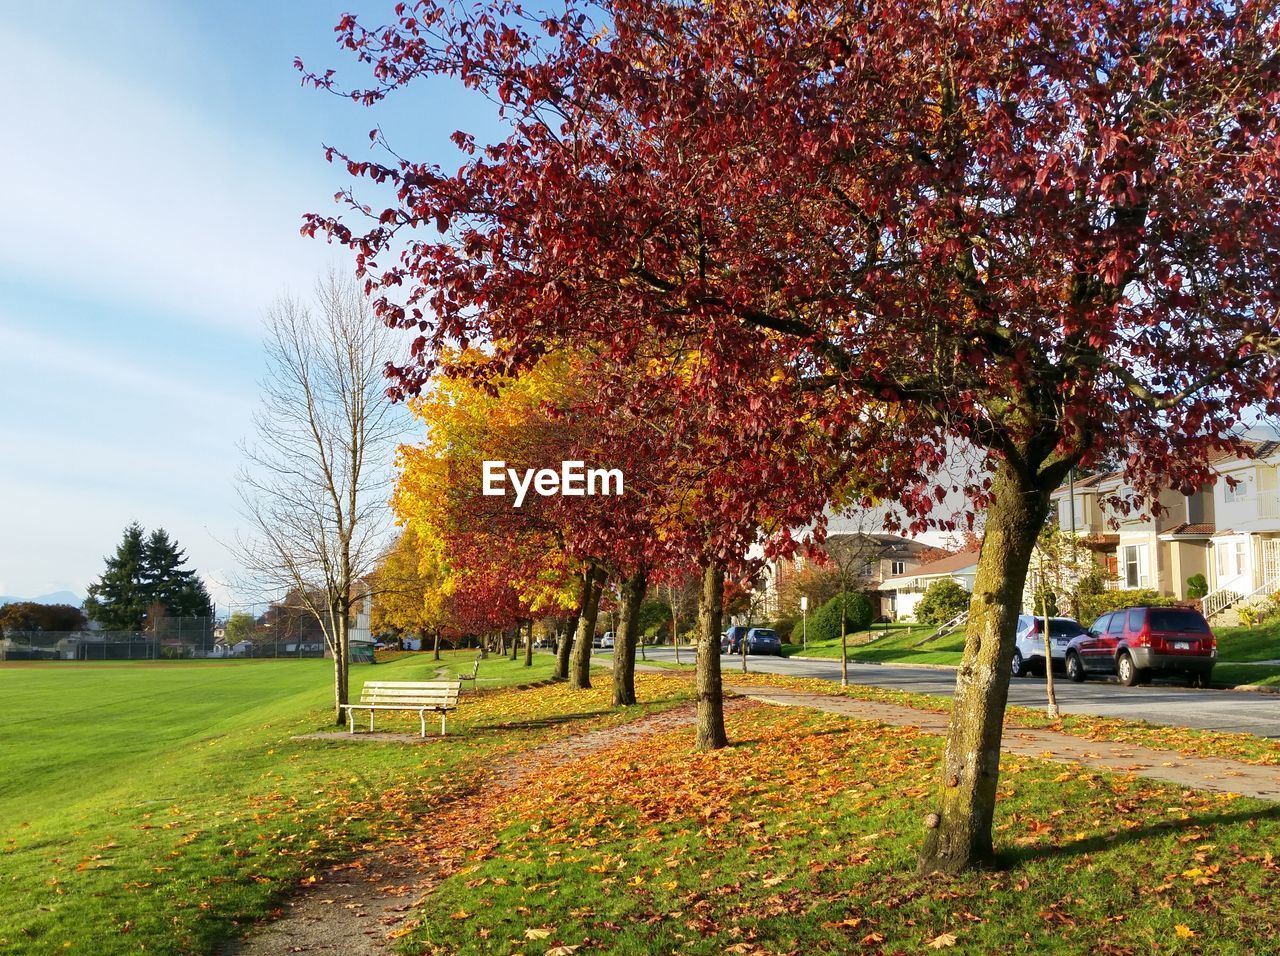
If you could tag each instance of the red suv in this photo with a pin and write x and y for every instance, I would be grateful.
(1138, 642)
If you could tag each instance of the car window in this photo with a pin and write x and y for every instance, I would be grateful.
(1100, 625)
(1116, 624)
(1135, 619)
(1063, 628)
(1178, 619)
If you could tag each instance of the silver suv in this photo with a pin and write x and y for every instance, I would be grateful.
(1028, 654)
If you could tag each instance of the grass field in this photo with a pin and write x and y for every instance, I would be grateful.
(163, 806)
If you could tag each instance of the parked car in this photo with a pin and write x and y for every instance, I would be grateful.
(731, 640)
(1139, 642)
(763, 640)
(607, 640)
(1028, 653)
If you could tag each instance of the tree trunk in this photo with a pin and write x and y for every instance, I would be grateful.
(437, 644)
(528, 646)
(564, 638)
(341, 664)
(959, 834)
(515, 644)
(844, 647)
(1052, 709)
(625, 641)
(580, 668)
(711, 735)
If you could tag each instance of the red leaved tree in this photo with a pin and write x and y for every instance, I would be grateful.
(1048, 235)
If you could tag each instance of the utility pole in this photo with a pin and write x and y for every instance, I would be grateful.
(804, 622)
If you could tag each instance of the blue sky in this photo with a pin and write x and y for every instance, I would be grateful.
(156, 159)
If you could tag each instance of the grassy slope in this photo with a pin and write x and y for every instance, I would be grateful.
(1236, 647)
(801, 838)
(893, 645)
(163, 806)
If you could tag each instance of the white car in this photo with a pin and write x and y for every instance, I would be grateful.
(1028, 654)
(607, 641)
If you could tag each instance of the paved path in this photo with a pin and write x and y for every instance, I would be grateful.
(1159, 703)
(1225, 776)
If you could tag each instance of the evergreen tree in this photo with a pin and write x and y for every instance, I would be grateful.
(119, 599)
(171, 584)
(144, 572)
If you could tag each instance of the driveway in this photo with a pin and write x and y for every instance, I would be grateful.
(1229, 711)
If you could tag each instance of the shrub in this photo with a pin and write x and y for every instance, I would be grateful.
(785, 627)
(1248, 616)
(825, 625)
(942, 601)
(1045, 599)
(1093, 605)
(1197, 586)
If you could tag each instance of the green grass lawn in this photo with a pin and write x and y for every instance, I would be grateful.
(163, 806)
(1260, 643)
(801, 837)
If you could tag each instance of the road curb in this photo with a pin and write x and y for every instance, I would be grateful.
(853, 662)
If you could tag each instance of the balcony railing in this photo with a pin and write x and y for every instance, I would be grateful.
(1269, 504)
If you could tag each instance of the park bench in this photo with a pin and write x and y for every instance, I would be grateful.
(474, 671)
(437, 696)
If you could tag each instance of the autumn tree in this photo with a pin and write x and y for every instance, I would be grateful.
(1045, 240)
(409, 588)
(314, 483)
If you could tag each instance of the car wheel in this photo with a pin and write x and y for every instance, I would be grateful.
(1075, 669)
(1125, 670)
(1019, 665)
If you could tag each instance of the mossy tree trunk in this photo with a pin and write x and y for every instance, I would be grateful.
(711, 733)
(580, 667)
(627, 639)
(959, 833)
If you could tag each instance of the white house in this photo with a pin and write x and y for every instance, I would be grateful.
(904, 591)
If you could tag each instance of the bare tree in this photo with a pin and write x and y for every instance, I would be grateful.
(315, 481)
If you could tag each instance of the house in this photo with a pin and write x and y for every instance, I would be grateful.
(903, 592)
(1137, 549)
(1244, 560)
(869, 558)
(1229, 531)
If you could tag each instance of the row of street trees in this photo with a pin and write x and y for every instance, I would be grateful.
(774, 258)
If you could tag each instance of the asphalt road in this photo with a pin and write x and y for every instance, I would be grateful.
(1159, 703)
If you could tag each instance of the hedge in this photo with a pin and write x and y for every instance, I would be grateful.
(825, 625)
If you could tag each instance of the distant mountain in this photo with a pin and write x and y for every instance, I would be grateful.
(54, 597)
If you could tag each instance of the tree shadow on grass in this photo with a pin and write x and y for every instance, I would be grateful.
(533, 723)
(1012, 857)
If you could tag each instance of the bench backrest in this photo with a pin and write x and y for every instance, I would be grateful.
(427, 693)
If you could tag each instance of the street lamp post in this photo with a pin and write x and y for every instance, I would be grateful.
(804, 622)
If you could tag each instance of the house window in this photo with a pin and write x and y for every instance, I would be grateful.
(1230, 557)
(1133, 565)
(1241, 492)
(899, 567)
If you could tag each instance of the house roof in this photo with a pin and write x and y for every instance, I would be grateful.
(940, 568)
(1088, 482)
(1189, 529)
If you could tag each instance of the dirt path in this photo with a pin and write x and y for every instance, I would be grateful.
(356, 908)
(1199, 773)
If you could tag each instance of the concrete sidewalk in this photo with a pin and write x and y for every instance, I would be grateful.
(1198, 773)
